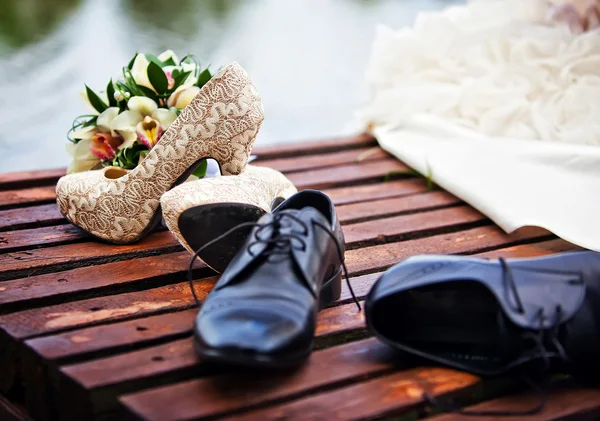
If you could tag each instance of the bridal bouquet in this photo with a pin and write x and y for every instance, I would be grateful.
(133, 112)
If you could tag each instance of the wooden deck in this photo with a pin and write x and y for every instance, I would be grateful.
(96, 331)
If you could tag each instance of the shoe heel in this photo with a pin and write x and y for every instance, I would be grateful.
(331, 290)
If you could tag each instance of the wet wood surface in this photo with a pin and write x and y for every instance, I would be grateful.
(94, 331)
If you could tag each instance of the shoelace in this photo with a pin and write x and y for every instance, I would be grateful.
(539, 338)
(282, 245)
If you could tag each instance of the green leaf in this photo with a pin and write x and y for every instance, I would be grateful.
(168, 62)
(128, 158)
(130, 84)
(130, 65)
(148, 92)
(95, 100)
(110, 93)
(153, 59)
(179, 79)
(190, 59)
(157, 78)
(200, 171)
(90, 122)
(203, 78)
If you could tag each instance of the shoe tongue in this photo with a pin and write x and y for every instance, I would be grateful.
(305, 214)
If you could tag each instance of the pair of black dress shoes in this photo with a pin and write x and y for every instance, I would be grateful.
(478, 315)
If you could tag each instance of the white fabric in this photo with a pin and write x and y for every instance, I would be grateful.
(501, 110)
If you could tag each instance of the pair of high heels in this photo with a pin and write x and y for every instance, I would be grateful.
(221, 123)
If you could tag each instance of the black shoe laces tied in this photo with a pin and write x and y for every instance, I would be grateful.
(281, 244)
(540, 337)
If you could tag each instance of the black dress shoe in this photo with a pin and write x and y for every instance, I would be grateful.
(489, 317)
(262, 310)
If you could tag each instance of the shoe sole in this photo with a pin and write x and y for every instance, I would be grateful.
(330, 293)
(201, 224)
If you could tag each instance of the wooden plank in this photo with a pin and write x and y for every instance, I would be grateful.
(295, 164)
(383, 396)
(38, 237)
(109, 278)
(51, 259)
(32, 217)
(26, 324)
(46, 320)
(37, 261)
(418, 202)
(572, 404)
(413, 225)
(374, 191)
(27, 197)
(336, 320)
(109, 377)
(347, 174)
(534, 250)
(64, 234)
(100, 340)
(313, 147)
(476, 240)
(24, 179)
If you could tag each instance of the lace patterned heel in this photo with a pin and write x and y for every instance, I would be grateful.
(220, 123)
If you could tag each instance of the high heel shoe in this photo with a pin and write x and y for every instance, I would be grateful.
(200, 211)
(220, 123)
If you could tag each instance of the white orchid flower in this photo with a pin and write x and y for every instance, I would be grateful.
(139, 71)
(182, 97)
(153, 122)
(141, 104)
(165, 55)
(83, 158)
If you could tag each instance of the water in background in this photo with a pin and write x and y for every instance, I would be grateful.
(307, 58)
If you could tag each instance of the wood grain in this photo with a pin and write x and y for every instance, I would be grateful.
(23, 179)
(375, 209)
(313, 147)
(37, 261)
(103, 339)
(177, 360)
(84, 282)
(39, 237)
(230, 393)
(476, 240)
(572, 404)
(33, 217)
(333, 321)
(51, 259)
(414, 225)
(370, 192)
(346, 174)
(388, 395)
(24, 239)
(295, 164)
(26, 197)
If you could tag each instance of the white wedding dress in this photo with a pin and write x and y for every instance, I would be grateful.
(500, 107)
